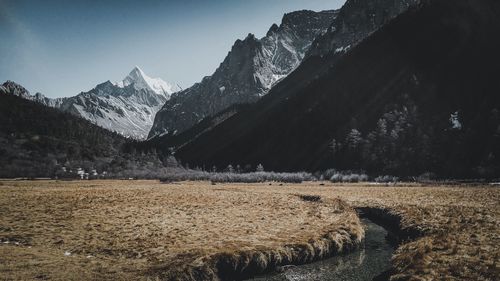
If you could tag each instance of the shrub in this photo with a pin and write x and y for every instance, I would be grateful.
(253, 177)
(328, 174)
(386, 179)
(187, 175)
(425, 177)
(259, 168)
(348, 177)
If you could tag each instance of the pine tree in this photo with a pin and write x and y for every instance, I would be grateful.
(260, 168)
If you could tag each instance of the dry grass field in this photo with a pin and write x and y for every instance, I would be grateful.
(460, 227)
(147, 230)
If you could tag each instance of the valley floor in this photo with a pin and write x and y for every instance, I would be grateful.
(123, 230)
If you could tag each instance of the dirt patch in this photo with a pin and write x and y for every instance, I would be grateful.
(310, 198)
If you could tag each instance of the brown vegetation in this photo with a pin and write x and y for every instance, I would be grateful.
(459, 226)
(146, 230)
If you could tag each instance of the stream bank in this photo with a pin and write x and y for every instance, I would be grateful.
(371, 262)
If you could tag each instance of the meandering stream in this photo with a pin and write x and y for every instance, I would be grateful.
(361, 265)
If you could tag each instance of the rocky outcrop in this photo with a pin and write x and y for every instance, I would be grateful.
(356, 20)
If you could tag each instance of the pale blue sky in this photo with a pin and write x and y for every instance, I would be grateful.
(63, 47)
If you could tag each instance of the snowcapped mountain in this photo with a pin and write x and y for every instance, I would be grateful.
(247, 73)
(141, 81)
(127, 107)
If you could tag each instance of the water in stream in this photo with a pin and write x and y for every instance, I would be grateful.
(361, 265)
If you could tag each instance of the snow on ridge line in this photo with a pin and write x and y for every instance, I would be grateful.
(140, 80)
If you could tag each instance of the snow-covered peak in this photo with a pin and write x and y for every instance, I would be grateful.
(140, 81)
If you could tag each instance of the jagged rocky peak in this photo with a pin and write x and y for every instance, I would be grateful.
(355, 21)
(11, 87)
(274, 28)
(247, 73)
(105, 88)
(250, 37)
(280, 51)
(39, 95)
(306, 20)
(248, 44)
(140, 81)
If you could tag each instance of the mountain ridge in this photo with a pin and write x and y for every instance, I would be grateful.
(249, 70)
(127, 107)
(355, 21)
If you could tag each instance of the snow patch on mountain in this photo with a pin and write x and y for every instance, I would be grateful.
(130, 113)
(127, 107)
(141, 81)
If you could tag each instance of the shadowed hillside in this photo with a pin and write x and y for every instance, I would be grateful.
(419, 95)
(36, 139)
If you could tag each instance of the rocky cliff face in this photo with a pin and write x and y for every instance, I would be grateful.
(11, 87)
(250, 69)
(356, 20)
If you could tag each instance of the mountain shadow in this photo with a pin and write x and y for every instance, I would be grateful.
(419, 95)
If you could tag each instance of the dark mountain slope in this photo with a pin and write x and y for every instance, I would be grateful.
(254, 66)
(35, 139)
(419, 95)
(166, 144)
(356, 20)
(247, 73)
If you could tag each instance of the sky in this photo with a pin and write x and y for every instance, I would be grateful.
(61, 48)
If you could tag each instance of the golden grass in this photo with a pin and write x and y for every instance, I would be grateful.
(460, 224)
(123, 230)
(143, 229)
